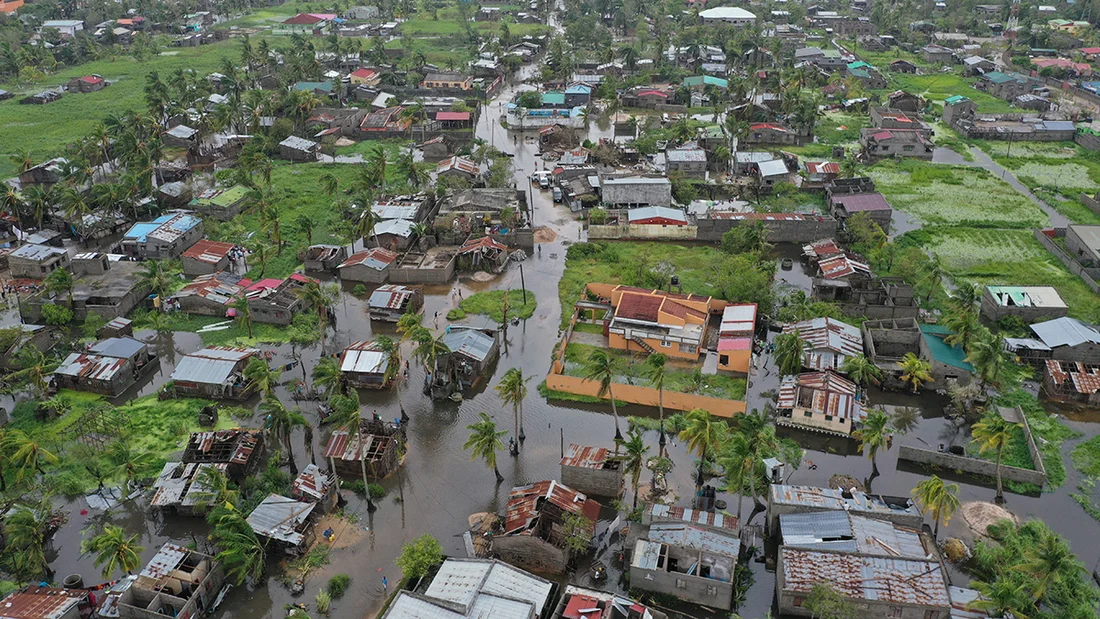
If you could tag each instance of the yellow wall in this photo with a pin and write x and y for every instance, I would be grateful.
(739, 360)
(818, 421)
(618, 342)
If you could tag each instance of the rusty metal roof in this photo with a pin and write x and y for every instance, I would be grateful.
(525, 504)
(40, 603)
(696, 538)
(312, 483)
(167, 559)
(390, 296)
(880, 579)
(90, 367)
(1085, 378)
(842, 265)
(245, 443)
(831, 342)
(660, 512)
(822, 248)
(822, 393)
(584, 456)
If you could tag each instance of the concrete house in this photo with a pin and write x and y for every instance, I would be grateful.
(903, 66)
(180, 136)
(895, 143)
(691, 162)
(210, 295)
(166, 236)
(108, 367)
(363, 364)
(237, 452)
(887, 118)
(476, 588)
(324, 258)
(473, 352)
(1071, 382)
(36, 261)
(688, 562)
(830, 342)
(534, 534)
(735, 337)
(1030, 303)
(207, 257)
(375, 450)
(104, 287)
(887, 341)
(633, 191)
(843, 206)
(14, 338)
(448, 79)
(179, 489)
(38, 602)
(276, 301)
(783, 499)
(938, 54)
(388, 302)
(1069, 339)
(295, 148)
(592, 470)
(583, 603)
(976, 65)
(216, 372)
(771, 133)
(841, 531)
(1006, 86)
(1083, 243)
(819, 401)
(458, 167)
(221, 204)
(177, 583)
(651, 320)
(727, 15)
(369, 267)
(87, 83)
(286, 523)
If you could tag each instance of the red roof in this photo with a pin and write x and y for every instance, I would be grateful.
(91, 79)
(1090, 50)
(452, 116)
(208, 251)
(638, 306)
(768, 126)
(364, 73)
(263, 284)
(646, 93)
(525, 503)
(304, 19)
(583, 606)
(826, 167)
(42, 602)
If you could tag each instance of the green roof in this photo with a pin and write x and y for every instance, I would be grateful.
(225, 199)
(998, 77)
(861, 73)
(942, 352)
(955, 99)
(325, 86)
(553, 98)
(859, 65)
(700, 80)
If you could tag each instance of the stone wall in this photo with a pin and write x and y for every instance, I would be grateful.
(804, 230)
(974, 466)
(1087, 140)
(598, 482)
(1071, 264)
(646, 232)
(1092, 203)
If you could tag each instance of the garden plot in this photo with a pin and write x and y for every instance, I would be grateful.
(1062, 175)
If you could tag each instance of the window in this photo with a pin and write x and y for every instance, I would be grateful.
(723, 359)
(665, 344)
(842, 421)
(884, 148)
(680, 584)
(828, 417)
(894, 611)
(807, 413)
(907, 148)
(797, 602)
(931, 614)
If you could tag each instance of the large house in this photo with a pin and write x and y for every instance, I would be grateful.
(479, 588)
(215, 372)
(108, 367)
(167, 236)
(633, 191)
(36, 261)
(727, 15)
(1029, 303)
(649, 321)
(829, 342)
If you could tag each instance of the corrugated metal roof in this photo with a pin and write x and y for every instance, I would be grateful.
(469, 342)
(696, 538)
(167, 559)
(118, 347)
(830, 394)
(213, 365)
(36, 253)
(90, 367)
(585, 456)
(280, 518)
(650, 212)
(831, 342)
(396, 227)
(662, 512)
(376, 258)
(900, 581)
(828, 498)
(1065, 331)
(364, 357)
(738, 318)
(40, 603)
(842, 265)
(815, 526)
(465, 581)
(408, 605)
(524, 504)
(646, 555)
(390, 296)
(312, 482)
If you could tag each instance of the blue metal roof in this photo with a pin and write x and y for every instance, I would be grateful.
(141, 230)
(469, 342)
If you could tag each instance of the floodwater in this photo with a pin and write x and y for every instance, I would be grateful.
(439, 486)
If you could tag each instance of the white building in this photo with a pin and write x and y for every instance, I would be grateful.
(728, 15)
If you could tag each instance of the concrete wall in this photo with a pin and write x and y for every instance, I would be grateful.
(599, 482)
(646, 232)
(645, 396)
(1092, 203)
(705, 591)
(1067, 260)
(995, 311)
(412, 275)
(969, 465)
(363, 274)
(779, 231)
(530, 553)
(1087, 140)
(879, 312)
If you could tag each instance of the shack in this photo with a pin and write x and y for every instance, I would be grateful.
(285, 522)
(365, 365)
(829, 342)
(316, 486)
(374, 451)
(240, 451)
(821, 401)
(369, 267)
(592, 470)
(324, 258)
(215, 372)
(180, 488)
(108, 367)
(390, 301)
(534, 534)
(206, 256)
(472, 352)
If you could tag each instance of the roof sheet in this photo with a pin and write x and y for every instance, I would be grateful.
(831, 394)
(377, 258)
(584, 456)
(82, 366)
(40, 603)
(364, 357)
(738, 318)
(696, 538)
(1026, 296)
(211, 252)
(469, 342)
(464, 581)
(280, 518)
(661, 512)
(525, 503)
(943, 352)
(831, 341)
(856, 202)
(654, 212)
(1065, 331)
(389, 296)
(213, 365)
(901, 581)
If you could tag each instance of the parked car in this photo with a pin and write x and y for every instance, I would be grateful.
(557, 194)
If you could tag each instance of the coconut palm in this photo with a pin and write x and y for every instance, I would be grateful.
(601, 367)
(964, 326)
(993, 434)
(761, 441)
(790, 351)
(393, 356)
(513, 389)
(114, 550)
(1048, 563)
(244, 311)
(634, 448)
(987, 355)
(1002, 598)
(240, 551)
(346, 415)
(702, 433)
(861, 370)
(261, 376)
(429, 349)
(27, 529)
(158, 277)
(655, 372)
(304, 224)
(130, 462)
(328, 377)
(933, 276)
(330, 183)
(914, 371)
(282, 421)
(737, 460)
(26, 455)
(34, 368)
(408, 323)
(938, 498)
(378, 165)
(484, 441)
(319, 298)
(364, 228)
(872, 436)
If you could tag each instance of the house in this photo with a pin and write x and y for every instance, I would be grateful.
(592, 470)
(475, 589)
(14, 338)
(41, 98)
(819, 173)
(40, 602)
(215, 372)
(65, 26)
(365, 77)
(689, 161)
(1006, 86)
(118, 327)
(211, 294)
(727, 15)
(371, 266)
(698, 82)
(180, 136)
(180, 488)
(483, 254)
(938, 54)
(577, 95)
(472, 353)
(36, 261)
(458, 167)
(843, 206)
(393, 234)
(534, 525)
(103, 287)
(1071, 382)
(648, 98)
(437, 148)
(221, 204)
(771, 133)
(686, 561)
(866, 74)
(295, 148)
(46, 173)
(903, 66)
(108, 367)
(206, 256)
(313, 485)
(374, 451)
(976, 65)
(820, 401)
(583, 603)
(237, 452)
(87, 83)
(783, 499)
(177, 583)
(324, 258)
(829, 342)
(308, 22)
(735, 337)
(384, 122)
(887, 341)
(286, 523)
(886, 118)
(165, 237)
(365, 365)
(895, 143)
(841, 531)
(636, 190)
(390, 301)
(448, 79)
(488, 13)
(1083, 243)
(656, 216)
(771, 173)
(1029, 303)
(646, 320)
(1069, 339)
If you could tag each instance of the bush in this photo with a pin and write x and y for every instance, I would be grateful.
(324, 602)
(598, 216)
(360, 290)
(56, 315)
(419, 556)
(376, 491)
(338, 584)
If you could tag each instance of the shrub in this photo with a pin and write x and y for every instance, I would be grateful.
(376, 491)
(419, 556)
(57, 315)
(324, 602)
(360, 290)
(338, 584)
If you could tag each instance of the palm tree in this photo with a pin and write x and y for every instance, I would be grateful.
(27, 529)
(240, 551)
(1049, 563)
(346, 415)
(860, 369)
(964, 325)
(987, 355)
(365, 227)
(304, 224)
(655, 372)
(993, 434)
(790, 350)
(408, 323)
(939, 498)
(429, 349)
(601, 367)
(319, 298)
(738, 461)
(934, 274)
(327, 376)
(702, 433)
(261, 376)
(378, 165)
(130, 462)
(114, 550)
(513, 389)
(34, 368)
(157, 277)
(872, 436)
(1002, 597)
(244, 311)
(634, 459)
(484, 441)
(914, 370)
(282, 422)
(26, 454)
(60, 280)
(393, 356)
(330, 183)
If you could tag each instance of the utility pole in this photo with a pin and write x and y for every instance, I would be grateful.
(522, 285)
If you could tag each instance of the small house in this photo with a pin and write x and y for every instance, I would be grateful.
(116, 327)
(285, 522)
(374, 451)
(215, 372)
(584, 603)
(592, 470)
(324, 258)
(534, 525)
(87, 83)
(210, 295)
(1029, 303)
(313, 485)
(938, 54)
(390, 301)
(458, 167)
(364, 365)
(843, 206)
(468, 588)
(221, 204)
(238, 450)
(735, 337)
(437, 148)
(206, 257)
(295, 148)
(687, 562)
(656, 216)
(1069, 339)
(180, 488)
(173, 195)
(371, 266)
(483, 254)
(108, 367)
(166, 237)
(36, 261)
(689, 161)
(903, 66)
(1071, 382)
(636, 190)
(976, 65)
(819, 401)
(770, 133)
(829, 342)
(177, 582)
(448, 79)
(365, 77)
(895, 143)
(180, 136)
(1083, 243)
(472, 352)
(392, 234)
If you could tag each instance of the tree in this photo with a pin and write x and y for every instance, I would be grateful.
(158, 277)
(601, 367)
(261, 376)
(1003, 597)
(634, 459)
(867, 236)
(577, 530)
(872, 436)
(938, 498)
(114, 550)
(1049, 563)
(130, 462)
(34, 367)
(320, 299)
(987, 355)
(328, 377)
(26, 531)
(60, 280)
(790, 350)
(26, 455)
(964, 326)
(484, 441)
(304, 224)
(933, 276)
(419, 556)
(240, 551)
(914, 371)
(702, 433)
(513, 389)
(861, 370)
(825, 603)
(655, 372)
(244, 311)
(993, 434)
(282, 421)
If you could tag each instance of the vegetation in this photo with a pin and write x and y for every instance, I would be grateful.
(491, 303)
(484, 442)
(419, 556)
(993, 434)
(630, 369)
(114, 550)
(938, 499)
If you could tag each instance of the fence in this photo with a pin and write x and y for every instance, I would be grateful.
(1071, 264)
(1091, 203)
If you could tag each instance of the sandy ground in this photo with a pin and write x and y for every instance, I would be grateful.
(347, 534)
(545, 235)
(979, 515)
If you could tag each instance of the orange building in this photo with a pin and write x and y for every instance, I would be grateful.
(9, 6)
(648, 321)
(735, 337)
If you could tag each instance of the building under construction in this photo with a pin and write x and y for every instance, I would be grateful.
(377, 449)
(240, 450)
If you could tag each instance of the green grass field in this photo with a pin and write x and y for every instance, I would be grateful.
(1059, 172)
(491, 303)
(882, 60)
(632, 371)
(938, 86)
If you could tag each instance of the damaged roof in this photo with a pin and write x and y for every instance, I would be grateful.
(831, 394)
(281, 518)
(831, 342)
(878, 579)
(525, 504)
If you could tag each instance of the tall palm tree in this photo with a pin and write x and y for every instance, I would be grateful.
(393, 356)
(282, 422)
(378, 165)
(330, 183)
(934, 274)
(938, 498)
(861, 370)
(130, 462)
(634, 458)
(513, 389)
(993, 434)
(304, 224)
(240, 551)
(261, 376)
(1003, 597)
(26, 454)
(790, 350)
(157, 277)
(429, 349)
(346, 415)
(1049, 563)
(114, 550)
(244, 311)
(987, 355)
(964, 325)
(484, 441)
(702, 433)
(34, 368)
(914, 371)
(655, 372)
(601, 367)
(319, 298)
(328, 377)
(872, 436)
(738, 461)
(27, 529)
(408, 323)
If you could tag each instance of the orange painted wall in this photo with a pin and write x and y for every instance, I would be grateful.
(739, 361)
(618, 342)
(646, 396)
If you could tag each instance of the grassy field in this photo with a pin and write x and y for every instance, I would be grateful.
(939, 194)
(491, 302)
(938, 86)
(235, 335)
(44, 130)
(632, 372)
(882, 60)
